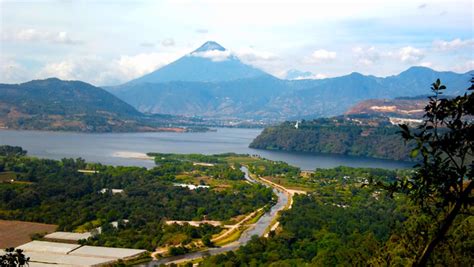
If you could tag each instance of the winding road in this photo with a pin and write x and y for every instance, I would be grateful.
(259, 228)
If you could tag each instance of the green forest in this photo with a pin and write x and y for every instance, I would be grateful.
(340, 135)
(52, 191)
(345, 222)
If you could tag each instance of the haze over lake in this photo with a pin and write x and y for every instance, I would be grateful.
(110, 148)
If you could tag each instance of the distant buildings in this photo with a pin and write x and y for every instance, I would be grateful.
(410, 122)
(112, 190)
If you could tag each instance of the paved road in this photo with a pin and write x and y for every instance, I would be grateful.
(257, 229)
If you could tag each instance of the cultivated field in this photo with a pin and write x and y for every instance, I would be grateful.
(7, 176)
(15, 233)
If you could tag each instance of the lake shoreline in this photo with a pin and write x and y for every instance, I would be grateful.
(130, 149)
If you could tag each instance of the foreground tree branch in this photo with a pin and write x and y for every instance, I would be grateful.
(447, 223)
(442, 184)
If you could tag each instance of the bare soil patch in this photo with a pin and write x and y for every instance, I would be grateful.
(15, 233)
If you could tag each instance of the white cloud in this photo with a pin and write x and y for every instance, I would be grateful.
(28, 35)
(464, 67)
(214, 55)
(322, 55)
(455, 44)
(89, 69)
(65, 70)
(64, 38)
(34, 35)
(426, 64)
(168, 42)
(409, 54)
(366, 56)
(301, 75)
(12, 72)
(147, 44)
(312, 77)
(99, 71)
(321, 76)
(252, 55)
(424, 5)
(137, 65)
(202, 31)
(317, 76)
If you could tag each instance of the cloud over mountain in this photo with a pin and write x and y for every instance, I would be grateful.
(409, 54)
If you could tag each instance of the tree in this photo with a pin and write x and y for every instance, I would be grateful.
(206, 240)
(13, 258)
(442, 182)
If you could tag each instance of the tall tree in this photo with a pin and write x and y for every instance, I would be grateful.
(442, 182)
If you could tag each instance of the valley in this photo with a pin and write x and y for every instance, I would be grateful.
(236, 133)
(307, 207)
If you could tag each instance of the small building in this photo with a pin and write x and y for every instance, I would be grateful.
(191, 186)
(114, 191)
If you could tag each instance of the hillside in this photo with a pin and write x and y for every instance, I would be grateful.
(230, 99)
(366, 137)
(53, 104)
(403, 107)
(213, 83)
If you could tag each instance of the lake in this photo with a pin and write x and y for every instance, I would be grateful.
(109, 148)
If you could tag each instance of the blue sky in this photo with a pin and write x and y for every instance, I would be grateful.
(110, 42)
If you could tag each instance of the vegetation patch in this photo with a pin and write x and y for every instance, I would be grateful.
(368, 137)
(59, 194)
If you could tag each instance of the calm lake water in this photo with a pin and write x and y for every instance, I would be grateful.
(104, 147)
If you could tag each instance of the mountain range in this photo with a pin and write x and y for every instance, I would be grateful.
(212, 82)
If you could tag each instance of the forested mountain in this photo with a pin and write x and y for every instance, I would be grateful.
(53, 104)
(66, 97)
(370, 137)
(213, 82)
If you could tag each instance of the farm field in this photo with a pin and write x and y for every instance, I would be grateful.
(15, 233)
